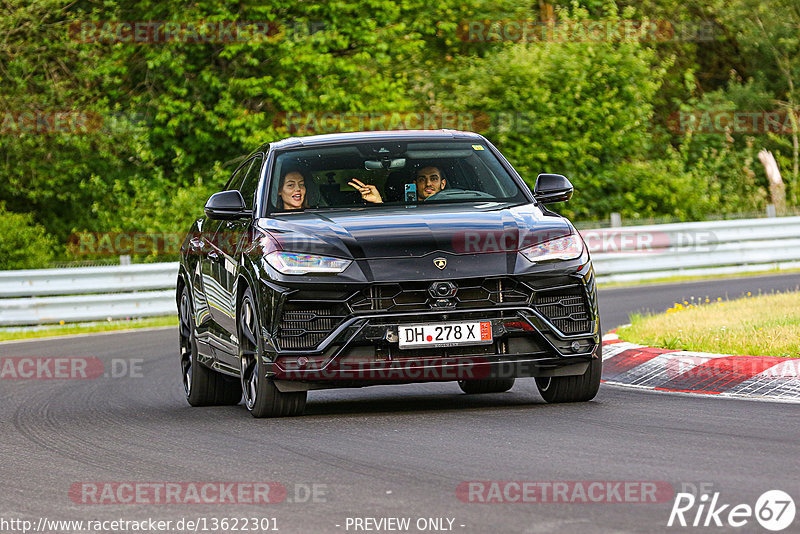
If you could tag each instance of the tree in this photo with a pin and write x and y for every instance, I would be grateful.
(769, 37)
(581, 108)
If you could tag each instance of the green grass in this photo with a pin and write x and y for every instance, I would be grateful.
(765, 325)
(13, 333)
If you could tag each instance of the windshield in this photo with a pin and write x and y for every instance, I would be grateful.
(390, 173)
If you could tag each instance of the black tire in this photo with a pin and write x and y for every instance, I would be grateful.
(580, 388)
(203, 386)
(486, 385)
(261, 396)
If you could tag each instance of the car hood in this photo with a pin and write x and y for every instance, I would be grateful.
(404, 232)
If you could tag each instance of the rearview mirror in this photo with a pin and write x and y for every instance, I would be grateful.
(226, 205)
(551, 188)
(378, 164)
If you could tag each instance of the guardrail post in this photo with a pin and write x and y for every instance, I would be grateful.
(771, 211)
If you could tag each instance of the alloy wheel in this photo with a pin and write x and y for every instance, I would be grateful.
(186, 342)
(248, 350)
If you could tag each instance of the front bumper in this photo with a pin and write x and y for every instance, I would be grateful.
(363, 350)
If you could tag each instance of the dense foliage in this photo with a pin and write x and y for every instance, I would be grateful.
(161, 124)
(23, 243)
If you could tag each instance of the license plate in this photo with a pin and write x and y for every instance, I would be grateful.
(445, 334)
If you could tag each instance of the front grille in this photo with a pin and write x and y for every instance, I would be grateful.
(566, 307)
(309, 317)
(414, 296)
(305, 326)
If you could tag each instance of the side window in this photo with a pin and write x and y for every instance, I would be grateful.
(250, 183)
(238, 177)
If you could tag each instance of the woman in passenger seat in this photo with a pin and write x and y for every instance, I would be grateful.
(292, 191)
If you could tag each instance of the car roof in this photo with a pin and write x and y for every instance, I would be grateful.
(375, 136)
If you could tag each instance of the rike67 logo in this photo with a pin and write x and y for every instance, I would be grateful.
(774, 510)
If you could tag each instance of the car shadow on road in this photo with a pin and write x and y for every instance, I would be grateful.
(385, 402)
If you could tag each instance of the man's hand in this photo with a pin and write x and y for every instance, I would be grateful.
(368, 192)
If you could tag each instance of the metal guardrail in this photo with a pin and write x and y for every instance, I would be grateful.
(630, 253)
(87, 293)
(72, 308)
(637, 253)
(82, 280)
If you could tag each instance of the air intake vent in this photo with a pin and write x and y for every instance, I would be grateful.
(304, 327)
(565, 307)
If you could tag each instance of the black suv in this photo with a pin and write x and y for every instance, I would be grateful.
(367, 258)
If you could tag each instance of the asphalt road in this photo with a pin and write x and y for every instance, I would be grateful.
(388, 451)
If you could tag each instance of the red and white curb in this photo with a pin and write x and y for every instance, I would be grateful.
(764, 377)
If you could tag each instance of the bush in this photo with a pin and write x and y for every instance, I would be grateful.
(23, 243)
(659, 188)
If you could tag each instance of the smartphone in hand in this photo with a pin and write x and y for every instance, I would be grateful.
(411, 192)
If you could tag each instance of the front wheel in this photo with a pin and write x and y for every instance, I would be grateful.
(261, 395)
(580, 388)
(201, 385)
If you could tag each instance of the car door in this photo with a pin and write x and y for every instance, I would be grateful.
(211, 263)
(228, 241)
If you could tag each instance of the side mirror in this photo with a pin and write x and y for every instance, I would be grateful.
(226, 205)
(551, 188)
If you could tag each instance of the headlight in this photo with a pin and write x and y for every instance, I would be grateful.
(563, 248)
(298, 263)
